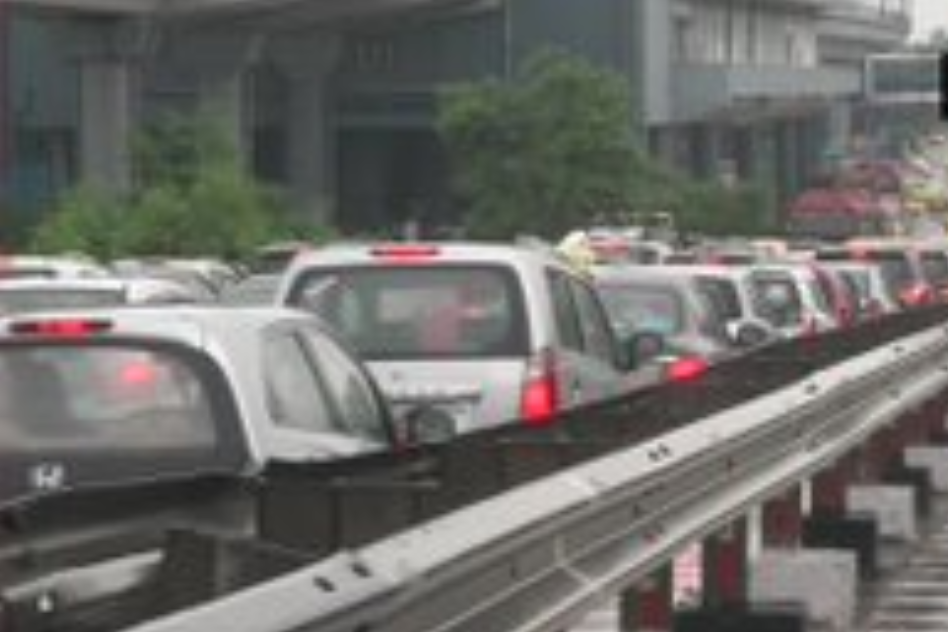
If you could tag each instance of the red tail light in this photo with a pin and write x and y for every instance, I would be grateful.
(60, 328)
(917, 295)
(810, 327)
(406, 253)
(137, 374)
(540, 400)
(686, 369)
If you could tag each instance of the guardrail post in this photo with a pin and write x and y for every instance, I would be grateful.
(724, 580)
(781, 520)
(648, 607)
(938, 420)
(828, 487)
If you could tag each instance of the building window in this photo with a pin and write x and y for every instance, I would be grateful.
(683, 39)
(372, 53)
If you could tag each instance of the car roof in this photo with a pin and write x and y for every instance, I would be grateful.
(645, 274)
(52, 265)
(192, 325)
(71, 283)
(136, 288)
(377, 253)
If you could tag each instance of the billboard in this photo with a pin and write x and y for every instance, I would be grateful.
(904, 78)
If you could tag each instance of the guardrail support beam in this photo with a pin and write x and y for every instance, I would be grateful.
(781, 520)
(648, 607)
(828, 487)
(724, 577)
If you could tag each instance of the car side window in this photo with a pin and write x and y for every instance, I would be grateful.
(358, 405)
(295, 397)
(598, 339)
(564, 310)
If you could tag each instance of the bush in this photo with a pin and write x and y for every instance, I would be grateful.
(192, 197)
(713, 209)
(85, 220)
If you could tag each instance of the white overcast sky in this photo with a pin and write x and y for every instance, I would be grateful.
(929, 15)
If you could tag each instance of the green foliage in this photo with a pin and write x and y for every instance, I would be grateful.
(85, 220)
(710, 208)
(541, 155)
(192, 197)
(176, 149)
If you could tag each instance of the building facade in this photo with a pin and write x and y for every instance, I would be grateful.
(336, 100)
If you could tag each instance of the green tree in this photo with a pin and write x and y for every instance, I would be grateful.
(712, 209)
(191, 196)
(86, 220)
(541, 155)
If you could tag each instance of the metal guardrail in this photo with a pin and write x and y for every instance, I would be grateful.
(542, 554)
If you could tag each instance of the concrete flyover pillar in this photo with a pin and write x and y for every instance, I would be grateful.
(222, 94)
(217, 65)
(307, 65)
(106, 85)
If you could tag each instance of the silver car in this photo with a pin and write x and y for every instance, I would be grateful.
(491, 333)
(251, 385)
(27, 294)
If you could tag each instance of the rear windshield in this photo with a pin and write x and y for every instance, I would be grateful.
(13, 301)
(81, 399)
(420, 312)
(635, 308)
(896, 269)
(935, 268)
(74, 415)
(894, 265)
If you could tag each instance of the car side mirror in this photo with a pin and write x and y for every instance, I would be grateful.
(643, 346)
(747, 334)
(426, 424)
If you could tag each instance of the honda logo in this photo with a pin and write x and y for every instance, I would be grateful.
(48, 476)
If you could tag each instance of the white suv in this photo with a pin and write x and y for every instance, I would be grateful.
(490, 332)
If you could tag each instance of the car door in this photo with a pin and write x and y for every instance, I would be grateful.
(569, 338)
(597, 369)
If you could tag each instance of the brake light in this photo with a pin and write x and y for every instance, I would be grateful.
(811, 326)
(686, 369)
(405, 253)
(137, 374)
(540, 399)
(918, 295)
(60, 328)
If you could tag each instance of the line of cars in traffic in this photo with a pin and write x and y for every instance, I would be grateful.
(495, 333)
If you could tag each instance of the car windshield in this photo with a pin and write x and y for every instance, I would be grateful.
(777, 299)
(17, 300)
(635, 308)
(722, 296)
(415, 312)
